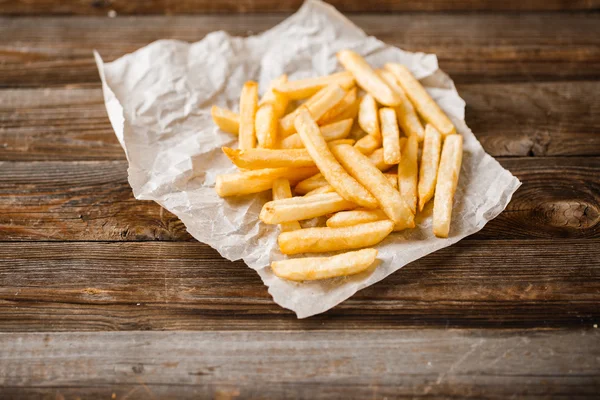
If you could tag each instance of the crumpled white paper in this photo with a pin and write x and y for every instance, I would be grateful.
(158, 100)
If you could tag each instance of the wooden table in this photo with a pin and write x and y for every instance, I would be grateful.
(105, 296)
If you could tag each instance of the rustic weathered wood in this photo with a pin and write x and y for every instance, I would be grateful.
(488, 47)
(101, 7)
(539, 119)
(93, 201)
(172, 286)
(311, 365)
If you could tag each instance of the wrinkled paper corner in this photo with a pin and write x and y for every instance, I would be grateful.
(158, 100)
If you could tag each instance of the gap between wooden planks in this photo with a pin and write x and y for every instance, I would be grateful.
(472, 48)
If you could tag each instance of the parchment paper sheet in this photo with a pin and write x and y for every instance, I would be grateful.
(158, 100)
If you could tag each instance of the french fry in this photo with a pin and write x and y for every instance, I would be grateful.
(248, 104)
(226, 120)
(422, 101)
(281, 190)
(391, 136)
(275, 158)
(318, 181)
(304, 88)
(355, 217)
(247, 182)
(350, 112)
(368, 144)
(333, 131)
(447, 181)
(320, 190)
(320, 240)
(392, 178)
(269, 158)
(405, 112)
(430, 159)
(341, 107)
(301, 208)
(326, 100)
(367, 116)
(367, 79)
(408, 172)
(333, 172)
(310, 184)
(279, 101)
(266, 125)
(377, 159)
(359, 166)
(313, 268)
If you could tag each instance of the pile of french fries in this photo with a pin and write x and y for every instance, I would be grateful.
(407, 152)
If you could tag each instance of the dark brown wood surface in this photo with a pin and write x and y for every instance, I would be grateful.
(511, 311)
(492, 47)
(101, 7)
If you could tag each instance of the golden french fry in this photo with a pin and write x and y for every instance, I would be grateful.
(320, 240)
(422, 101)
(247, 182)
(391, 136)
(350, 112)
(318, 181)
(408, 172)
(275, 158)
(405, 112)
(310, 184)
(266, 125)
(359, 166)
(313, 268)
(377, 159)
(320, 190)
(333, 172)
(355, 217)
(281, 190)
(392, 178)
(447, 181)
(300, 208)
(248, 104)
(368, 144)
(367, 116)
(326, 99)
(226, 120)
(303, 88)
(269, 158)
(279, 101)
(367, 79)
(333, 114)
(430, 159)
(333, 131)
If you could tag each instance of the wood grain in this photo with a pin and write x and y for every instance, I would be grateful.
(490, 47)
(101, 7)
(522, 119)
(322, 365)
(91, 286)
(93, 201)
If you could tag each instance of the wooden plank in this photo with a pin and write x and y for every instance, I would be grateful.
(471, 48)
(91, 286)
(129, 7)
(307, 365)
(93, 201)
(522, 119)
